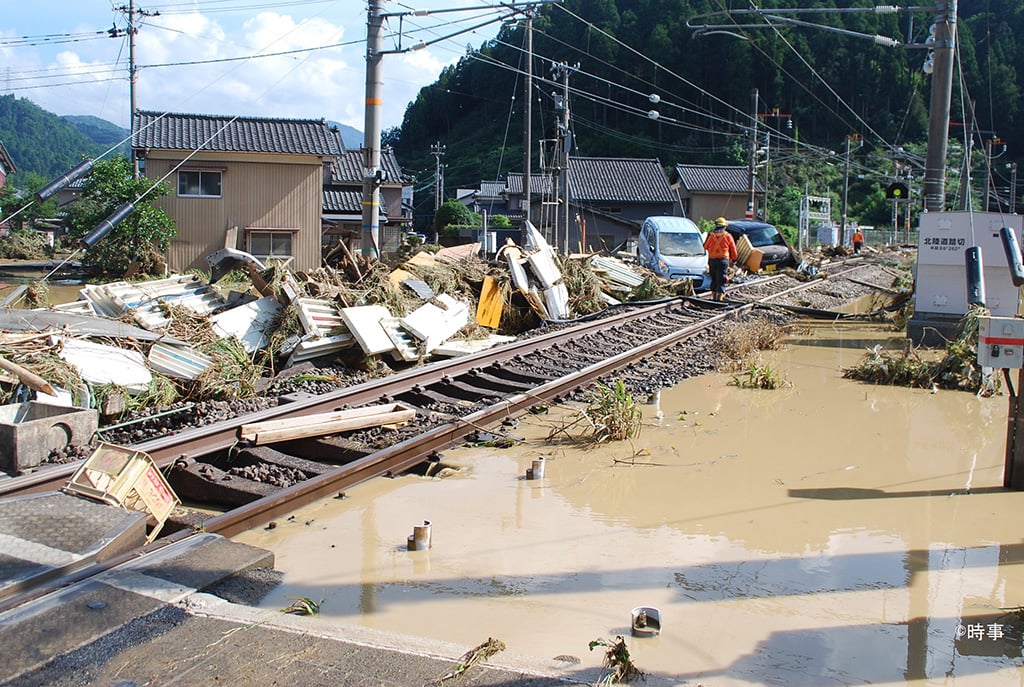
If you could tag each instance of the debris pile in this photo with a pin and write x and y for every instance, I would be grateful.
(126, 346)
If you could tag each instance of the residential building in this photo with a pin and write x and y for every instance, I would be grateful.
(256, 184)
(609, 199)
(7, 167)
(343, 201)
(707, 191)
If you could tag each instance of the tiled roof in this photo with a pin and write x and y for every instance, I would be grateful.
(6, 161)
(624, 180)
(539, 183)
(347, 203)
(709, 179)
(171, 131)
(347, 168)
(494, 189)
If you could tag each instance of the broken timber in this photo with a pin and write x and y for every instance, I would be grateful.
(323, 424)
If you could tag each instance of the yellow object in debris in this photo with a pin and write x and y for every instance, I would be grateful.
(123, 477)
(488, 311)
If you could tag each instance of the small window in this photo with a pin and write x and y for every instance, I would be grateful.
(270, 244)
(199, 184)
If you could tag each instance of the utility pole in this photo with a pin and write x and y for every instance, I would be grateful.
(752, 163)
(133, 71)
(527, 125)
(372, 176)
(938, 112)
(437, 150)
(1013, 186)
(846, 188)
(564, 148)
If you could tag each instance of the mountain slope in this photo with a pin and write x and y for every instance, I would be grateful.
(40, 142)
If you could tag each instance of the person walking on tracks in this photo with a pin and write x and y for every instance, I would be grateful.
(721, 250)
(858, 240)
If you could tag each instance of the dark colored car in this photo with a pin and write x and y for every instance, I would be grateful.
(767, 239)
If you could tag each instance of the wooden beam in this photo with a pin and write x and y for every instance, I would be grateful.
(323, 424)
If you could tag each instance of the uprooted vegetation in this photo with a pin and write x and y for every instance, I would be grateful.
(740, 342)
(611, 414)
(617, 662)
(956, 370)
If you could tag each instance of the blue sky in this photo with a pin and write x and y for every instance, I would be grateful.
(58, 55)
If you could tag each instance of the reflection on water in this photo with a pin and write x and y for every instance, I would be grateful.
(830, 532)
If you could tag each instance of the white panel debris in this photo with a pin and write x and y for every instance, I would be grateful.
(249, 323)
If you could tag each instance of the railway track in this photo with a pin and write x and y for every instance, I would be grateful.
(452, 399)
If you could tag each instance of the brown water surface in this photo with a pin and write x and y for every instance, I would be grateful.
(830, 532)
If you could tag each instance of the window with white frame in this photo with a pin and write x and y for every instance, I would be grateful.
(270, 243)
(199, 183)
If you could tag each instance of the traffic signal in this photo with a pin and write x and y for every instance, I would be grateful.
(897, 191)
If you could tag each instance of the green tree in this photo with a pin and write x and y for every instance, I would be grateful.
(143, 236)
(19, 199)
(500, 222)
(452, 212)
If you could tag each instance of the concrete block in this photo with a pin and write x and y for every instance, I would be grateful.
(29, 431)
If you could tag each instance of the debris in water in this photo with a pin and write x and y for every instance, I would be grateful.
(472, 657)
(617, 661)
(303, 605)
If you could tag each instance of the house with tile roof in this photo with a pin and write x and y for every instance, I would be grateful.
(707, 191)
(251, 183)
(343, 200)
(7, 167)
(611, 197)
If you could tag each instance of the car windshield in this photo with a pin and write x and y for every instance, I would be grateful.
(765, 236)
(680, 245)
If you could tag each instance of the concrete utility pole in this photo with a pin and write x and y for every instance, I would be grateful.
(846, 188)
(133, 70)
(1013, 187)
(527, 125)
(752, 163)
(372, 175)
(437, 150)
(564, 143)
(938, 113)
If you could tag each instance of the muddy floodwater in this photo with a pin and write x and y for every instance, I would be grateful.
(826, 533)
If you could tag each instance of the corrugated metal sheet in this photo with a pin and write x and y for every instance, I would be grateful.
(178, 361)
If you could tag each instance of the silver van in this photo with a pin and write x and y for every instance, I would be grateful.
(673, 247)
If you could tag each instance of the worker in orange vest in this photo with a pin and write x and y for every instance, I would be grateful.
(858, 240)
(721, 250)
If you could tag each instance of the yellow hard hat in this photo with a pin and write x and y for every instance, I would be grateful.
(721, 222)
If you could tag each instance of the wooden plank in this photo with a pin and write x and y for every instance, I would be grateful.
(304, 430)
(488, 311)
(366, 411)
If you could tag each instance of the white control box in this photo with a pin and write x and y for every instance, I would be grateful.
(1001, 342)
(941, 283)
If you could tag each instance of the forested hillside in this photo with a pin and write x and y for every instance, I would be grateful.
(815, 87)
(42, 143)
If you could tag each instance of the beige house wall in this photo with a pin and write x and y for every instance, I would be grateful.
(264, 191)
(711, 205)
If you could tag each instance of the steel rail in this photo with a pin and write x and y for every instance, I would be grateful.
(201, 441)
(404, 455)
(219, 436)
(390, 460)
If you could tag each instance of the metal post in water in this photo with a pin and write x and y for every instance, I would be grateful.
(419, 540)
